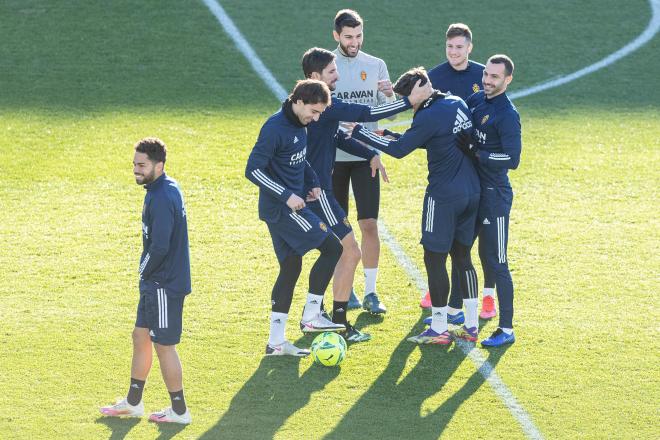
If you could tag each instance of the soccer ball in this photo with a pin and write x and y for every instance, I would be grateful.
(328, 349)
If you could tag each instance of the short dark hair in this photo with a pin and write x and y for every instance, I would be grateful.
(315, 60)
(347, 18)
(153, 147)
(311, 91)
(503, 59)
(406, 82)
(459, 30)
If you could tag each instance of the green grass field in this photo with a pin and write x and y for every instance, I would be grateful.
(81, 81)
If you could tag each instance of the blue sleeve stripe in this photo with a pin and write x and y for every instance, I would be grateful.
(373, 137)
(385, 108)
(261, 177)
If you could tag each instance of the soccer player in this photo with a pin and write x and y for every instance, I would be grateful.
(496, 151)
(364, 80)
(164, 283)
(323, 141)
(461, 77)
(450, 204)
(458, 75)
(278, 165)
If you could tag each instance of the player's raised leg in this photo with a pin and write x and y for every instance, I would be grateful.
(319, 278)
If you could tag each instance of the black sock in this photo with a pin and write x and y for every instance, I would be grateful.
(339, 312)
(135, 391)
(178, 402)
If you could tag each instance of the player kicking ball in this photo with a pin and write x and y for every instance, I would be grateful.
(278, 165)
(450, 204)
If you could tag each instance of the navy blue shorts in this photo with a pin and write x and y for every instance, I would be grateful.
(297, 233)
(327, 209)
(442, 223)
(162, 314)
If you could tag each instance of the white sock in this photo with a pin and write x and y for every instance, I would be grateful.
(370, 276)
(508, 331)
(471, 316)
(277, 327)
(439, 319)
(312, 307)
(453, 311)
(489, 291)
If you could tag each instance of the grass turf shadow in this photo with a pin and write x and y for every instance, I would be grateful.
(390, 408)
(119, 427)
(269, 397)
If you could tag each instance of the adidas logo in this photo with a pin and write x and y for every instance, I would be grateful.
(295, 139)
(313, 301)
(177, 398)
(340, 309)
(462, 121)
(486, 222)
(136, 386)
(437, 314)
(277, 321)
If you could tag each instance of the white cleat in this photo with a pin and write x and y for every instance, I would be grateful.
(169, 416)
(123, 409)
(286, 348)
(320, 324)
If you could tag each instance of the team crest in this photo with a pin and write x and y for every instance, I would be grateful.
(346, 222)
(323, 227)
(475, 87)
(363, 75)
(484, 119)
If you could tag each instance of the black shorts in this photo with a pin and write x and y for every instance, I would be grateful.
(366, 189)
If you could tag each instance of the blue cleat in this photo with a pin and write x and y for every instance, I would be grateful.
(354, 301)
(498, 338)
(373, 305)
(428, 336)
(457, 319)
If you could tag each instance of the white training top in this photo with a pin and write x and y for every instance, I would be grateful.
(358, 82)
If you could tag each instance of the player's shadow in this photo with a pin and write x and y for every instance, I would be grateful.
(169, 430)
(393, 406)
(274, 393)
(119, 427)
(365, 319)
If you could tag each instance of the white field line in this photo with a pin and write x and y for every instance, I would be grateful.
(483, 366)
(651, 30)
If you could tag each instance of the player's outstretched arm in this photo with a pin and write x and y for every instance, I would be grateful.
(351, 146)
(415, 137)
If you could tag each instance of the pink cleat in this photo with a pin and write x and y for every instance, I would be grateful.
(488, 308)
(123, 409)
(425, 303)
